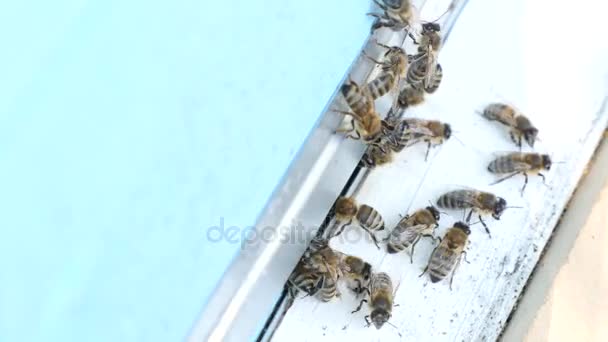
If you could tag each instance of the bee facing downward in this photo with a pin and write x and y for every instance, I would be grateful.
(411, 229)
(483, 203)
(381, 298)
(520, 163)
(446, 257)
(508, 116)
(357, 271)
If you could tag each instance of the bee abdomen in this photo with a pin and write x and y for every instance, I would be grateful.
(381, 85)
(451, 201)
(329, 290)
(356, 99)
(308, 282)
(370, 218)
(435, 81)
(439, 266)
(501, 165)
(416, 71)
(498, 111)
(394, 248)
(382, 281)
(411, 96)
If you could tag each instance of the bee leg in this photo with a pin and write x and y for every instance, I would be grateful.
(412, 251)
(343, 227)
(412, 37)
(464, 256)
(372, 236)
(359, 307)
(525, 184)
(367, 321)
(428, 149)
(372, 59)
(454, 272)
(544, 179)
(507, 177)
(485, 226)
(469, 216)
(382, 6)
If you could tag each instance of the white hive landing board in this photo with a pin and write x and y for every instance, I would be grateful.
(498, 51)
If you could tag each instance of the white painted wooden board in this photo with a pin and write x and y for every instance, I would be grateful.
(515, 51)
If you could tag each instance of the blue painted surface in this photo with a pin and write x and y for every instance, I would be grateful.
(129, 127)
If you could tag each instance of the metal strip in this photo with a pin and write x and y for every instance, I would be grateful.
(247, 292)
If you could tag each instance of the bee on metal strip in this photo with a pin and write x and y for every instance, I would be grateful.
(480, 202)
(446, 257)
(520, 125)
(520, 163)
(368, 218)
(411, 229)
(398, 15)
(394, 65)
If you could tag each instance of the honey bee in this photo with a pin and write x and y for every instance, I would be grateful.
(369, 219)
(329, 288)
(319, 274)
(483, 203)
(398, 15)
(520, 163)
(376, 156)
(446, 257)
(411, 229)
(509, 116)
(411, 131)
(380, 302)
(410, 96)
(357, 271)
(394, 66)
(304, 279)
(419, 76)
(367, 124)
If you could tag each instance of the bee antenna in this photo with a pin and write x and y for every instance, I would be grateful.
(558, 162)
(392, 325)
(514, 207)
(460, 141)
(450, 8)
(380, 44)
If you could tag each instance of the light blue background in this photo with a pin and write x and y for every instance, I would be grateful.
(129, 127)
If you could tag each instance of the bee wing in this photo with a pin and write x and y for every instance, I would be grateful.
(431, 65)
(443, 258)
(417, 126)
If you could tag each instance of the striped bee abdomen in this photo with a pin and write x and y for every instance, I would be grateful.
(370, 218)
(435, 80)
(455, 200)
(381, 84)
(441, 264)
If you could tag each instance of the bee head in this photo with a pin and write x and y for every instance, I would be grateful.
(463, 226)
(530, 135)
(499, 207)
(431, 27)
(379, 317)
(447, 131)
(546, 162)
(433, 211)
(367, 272)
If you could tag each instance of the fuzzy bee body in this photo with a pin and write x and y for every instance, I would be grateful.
(417, 71)
(412, 228)
(367, 124)
(410, 96)
(483, 203)
(357, 271)
(435, 81)
(306, 280)
(394, 65)
(411, 131)
(520, 125)
(328, 289)
(446, 257)
(520, 163)
(375, 156)
(397, 15)
(368, 218)
(380, 300)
